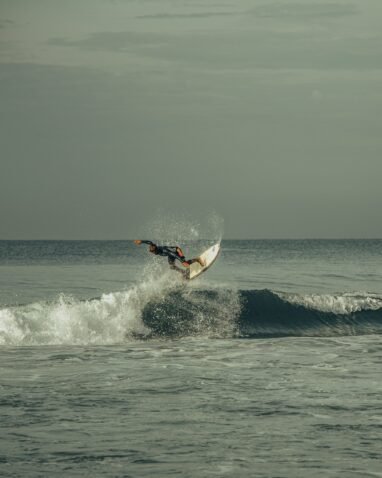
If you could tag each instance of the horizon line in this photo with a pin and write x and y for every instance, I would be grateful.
(208, 239)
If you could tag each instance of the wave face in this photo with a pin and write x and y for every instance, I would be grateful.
(263, 313)
(150, 311)
(267, 314)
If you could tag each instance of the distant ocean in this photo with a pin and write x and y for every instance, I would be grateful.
(268, 365)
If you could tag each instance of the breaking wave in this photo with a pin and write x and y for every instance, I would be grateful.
(162, 309)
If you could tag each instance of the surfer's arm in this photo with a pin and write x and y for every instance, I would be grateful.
(138, 242)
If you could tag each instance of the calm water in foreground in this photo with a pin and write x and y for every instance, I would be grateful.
(267, 366)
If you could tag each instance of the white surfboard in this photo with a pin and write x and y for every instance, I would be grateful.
(209, 257)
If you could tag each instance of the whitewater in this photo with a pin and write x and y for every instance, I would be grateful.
(267, 365)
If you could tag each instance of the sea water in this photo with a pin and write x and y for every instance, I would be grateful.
(269, 365)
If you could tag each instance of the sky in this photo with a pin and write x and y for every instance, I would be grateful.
(117, 113)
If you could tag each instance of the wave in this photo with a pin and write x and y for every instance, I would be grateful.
(269, 314)
(159, 309)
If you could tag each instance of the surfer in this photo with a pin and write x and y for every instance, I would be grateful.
(172, 253)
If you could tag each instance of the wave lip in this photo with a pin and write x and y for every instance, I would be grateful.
(346, 303)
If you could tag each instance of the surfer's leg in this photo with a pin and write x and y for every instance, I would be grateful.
(197, 259)
(171, 262)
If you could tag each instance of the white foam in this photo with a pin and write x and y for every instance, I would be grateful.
(113, 318)
(110, 319)
(68, 321)
(346, 303)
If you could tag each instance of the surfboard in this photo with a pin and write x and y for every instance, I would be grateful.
(209, 257)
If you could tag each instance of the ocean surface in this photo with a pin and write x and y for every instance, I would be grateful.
(268, 365)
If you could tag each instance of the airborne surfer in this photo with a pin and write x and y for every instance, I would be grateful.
(172, 253)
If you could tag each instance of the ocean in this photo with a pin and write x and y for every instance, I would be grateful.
(268, 365)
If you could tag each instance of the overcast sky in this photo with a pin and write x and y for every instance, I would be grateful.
(268, 113)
